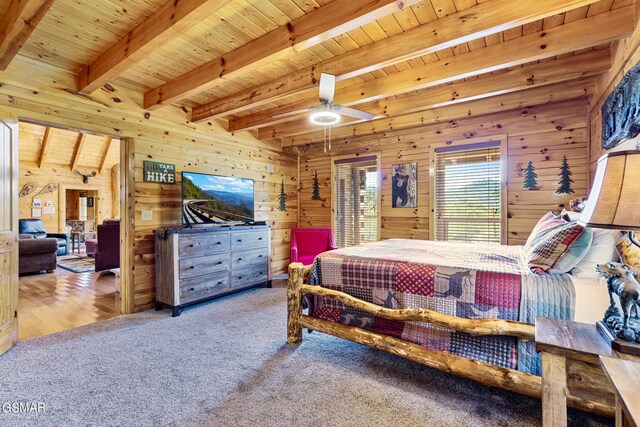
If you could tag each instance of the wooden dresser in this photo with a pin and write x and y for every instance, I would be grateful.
(199, 264)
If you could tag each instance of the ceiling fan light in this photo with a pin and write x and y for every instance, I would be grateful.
(324, 118)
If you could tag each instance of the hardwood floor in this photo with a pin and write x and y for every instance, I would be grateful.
(62, 300)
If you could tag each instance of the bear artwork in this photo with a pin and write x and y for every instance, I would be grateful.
(399, 191)
(403, 183)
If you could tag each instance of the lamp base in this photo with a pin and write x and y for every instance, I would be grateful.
(615, 342)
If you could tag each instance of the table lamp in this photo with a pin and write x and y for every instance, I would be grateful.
(614, 203)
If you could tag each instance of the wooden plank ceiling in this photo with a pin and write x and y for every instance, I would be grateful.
(408, 62)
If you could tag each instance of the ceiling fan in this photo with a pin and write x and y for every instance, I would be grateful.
(327, 114)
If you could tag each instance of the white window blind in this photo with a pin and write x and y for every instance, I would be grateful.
(468, 199)
(355, 186)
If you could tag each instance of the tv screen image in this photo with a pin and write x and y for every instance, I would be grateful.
(212, 199)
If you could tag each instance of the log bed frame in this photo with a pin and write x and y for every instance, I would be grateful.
(587, 387)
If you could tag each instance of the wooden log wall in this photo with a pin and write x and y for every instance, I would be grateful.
(55, 167)
(625, 54)
(45, 94)
(542, 134)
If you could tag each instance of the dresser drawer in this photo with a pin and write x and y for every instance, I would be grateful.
(249, 240)
(203, 286)
(197, 266)
(252, 258)
(249, 276)
(202, 245)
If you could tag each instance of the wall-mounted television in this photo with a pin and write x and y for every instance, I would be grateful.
(213, 199)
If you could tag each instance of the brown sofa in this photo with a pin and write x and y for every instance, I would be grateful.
(35, 255)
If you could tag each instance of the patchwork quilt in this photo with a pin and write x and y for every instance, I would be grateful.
(473, 281)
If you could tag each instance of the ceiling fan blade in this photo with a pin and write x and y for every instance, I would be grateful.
(352, 112)
(291, 113)
(327, 88)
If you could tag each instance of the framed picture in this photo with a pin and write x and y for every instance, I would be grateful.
(36, 213)
(404, 183)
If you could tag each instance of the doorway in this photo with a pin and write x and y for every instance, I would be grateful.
(356, 186)
(69, 183)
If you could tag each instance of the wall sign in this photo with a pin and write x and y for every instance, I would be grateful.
(159, 172)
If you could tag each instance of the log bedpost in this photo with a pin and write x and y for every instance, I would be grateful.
(294, 302)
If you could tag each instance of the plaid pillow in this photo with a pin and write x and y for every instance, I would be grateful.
(552, 239)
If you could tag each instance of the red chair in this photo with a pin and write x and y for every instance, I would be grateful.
(307, 243)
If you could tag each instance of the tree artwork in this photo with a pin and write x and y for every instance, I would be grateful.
(565, 178)
(530, 181)
(283, 198)
(316, 187)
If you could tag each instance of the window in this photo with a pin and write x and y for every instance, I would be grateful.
(355, 196)
(467, 193)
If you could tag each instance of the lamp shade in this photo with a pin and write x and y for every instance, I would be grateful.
(614, 201)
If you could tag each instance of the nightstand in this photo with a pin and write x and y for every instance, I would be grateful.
(571, 366)
(625, 377)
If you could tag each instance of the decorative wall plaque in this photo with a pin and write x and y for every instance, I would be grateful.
(164, 173)
(621, 110)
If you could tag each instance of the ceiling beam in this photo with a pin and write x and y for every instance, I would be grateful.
(168, 22)
(19, 21)
(105, 156)
(538, 74)
(76, 155)
(478, 21)
(45, 144)
(519, 78)
(328, 21)
(544, 44)
(526, 98)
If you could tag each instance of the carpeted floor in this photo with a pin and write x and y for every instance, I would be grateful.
(226, 363)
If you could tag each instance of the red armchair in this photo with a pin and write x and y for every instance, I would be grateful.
(307, 243)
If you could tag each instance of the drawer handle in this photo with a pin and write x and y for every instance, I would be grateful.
(260, 238)
(220, 282)
(239, 277)
(239, 259)
(239, 240)
(192, 289)
(192, 267)
(218, 243)
(219, 262)
(260, 256)
(191, 245)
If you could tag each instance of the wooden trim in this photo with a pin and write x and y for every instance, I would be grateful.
(314, 27)
(475, 22)
(554, 390)
(9, 209)
(521, 78)
(76, 155)
(167, 23)
(103, 162)
(471, 326)
(20, 20)
(45, 144)
(294, 303)
(127, 225)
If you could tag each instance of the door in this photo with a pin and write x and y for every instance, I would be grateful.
(8, 232)
(355, 200)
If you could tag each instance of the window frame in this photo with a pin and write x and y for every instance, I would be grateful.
(379, 183)
(504, 154)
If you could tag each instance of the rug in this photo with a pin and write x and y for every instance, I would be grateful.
(227, 363)
(77, 264)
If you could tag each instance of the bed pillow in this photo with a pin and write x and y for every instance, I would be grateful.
(550, 243)
(548, 220)
(629, 253)
(575, 254)
(603, 250)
